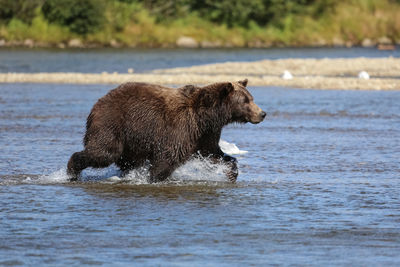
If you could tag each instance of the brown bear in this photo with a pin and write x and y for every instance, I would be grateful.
(139, 122)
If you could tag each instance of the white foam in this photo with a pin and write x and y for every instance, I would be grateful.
(200, 169)
(56, 177)
(138, 176)
(230, 148)
(114, 179)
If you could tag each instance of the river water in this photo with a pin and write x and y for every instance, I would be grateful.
(320, 185)
(142, 60)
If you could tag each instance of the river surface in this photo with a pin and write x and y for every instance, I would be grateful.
(143, 60)
(320, 185)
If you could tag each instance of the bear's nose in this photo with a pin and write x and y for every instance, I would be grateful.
(263, 114)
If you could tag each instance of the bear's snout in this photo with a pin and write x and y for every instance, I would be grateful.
(259, 118)
(257, 114)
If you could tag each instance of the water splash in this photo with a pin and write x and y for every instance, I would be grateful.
(88, 175)
(137, 176)
(195, 170)
(200, 169)
(59, 176)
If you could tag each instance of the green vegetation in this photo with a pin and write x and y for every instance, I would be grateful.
(80, 17)
(160, 23)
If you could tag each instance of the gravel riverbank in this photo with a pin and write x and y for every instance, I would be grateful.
(307, 73)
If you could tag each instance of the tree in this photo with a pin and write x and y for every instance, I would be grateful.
(80, 16)
(19, 9)
(230, 12)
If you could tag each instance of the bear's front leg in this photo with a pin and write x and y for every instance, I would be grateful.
(233, 171)
(160, 171)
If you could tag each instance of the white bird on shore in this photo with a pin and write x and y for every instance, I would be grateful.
(363, 75)
(287, 75)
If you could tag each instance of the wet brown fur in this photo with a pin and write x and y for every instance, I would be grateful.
(139, 122)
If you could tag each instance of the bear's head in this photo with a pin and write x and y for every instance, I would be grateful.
(241, 102)
(231, 99)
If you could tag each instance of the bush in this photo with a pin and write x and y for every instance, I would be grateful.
(243, 12)
(80, 16)
(165, 10)
(19, 9)
(231, 13)
(119, 13)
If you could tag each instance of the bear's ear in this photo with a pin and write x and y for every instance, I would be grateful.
(188, 90)
(226, 89)
(243, 82)
(213, 94)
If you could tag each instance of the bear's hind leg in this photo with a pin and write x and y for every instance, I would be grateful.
(76, 164)
(81, 160)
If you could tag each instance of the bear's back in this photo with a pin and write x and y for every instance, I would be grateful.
(136, 105)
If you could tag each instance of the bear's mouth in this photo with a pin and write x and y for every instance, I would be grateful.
(250, 119)
(257, 119)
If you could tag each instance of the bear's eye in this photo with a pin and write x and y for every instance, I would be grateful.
(246, 100)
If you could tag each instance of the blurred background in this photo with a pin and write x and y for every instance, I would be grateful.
(193, 23)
